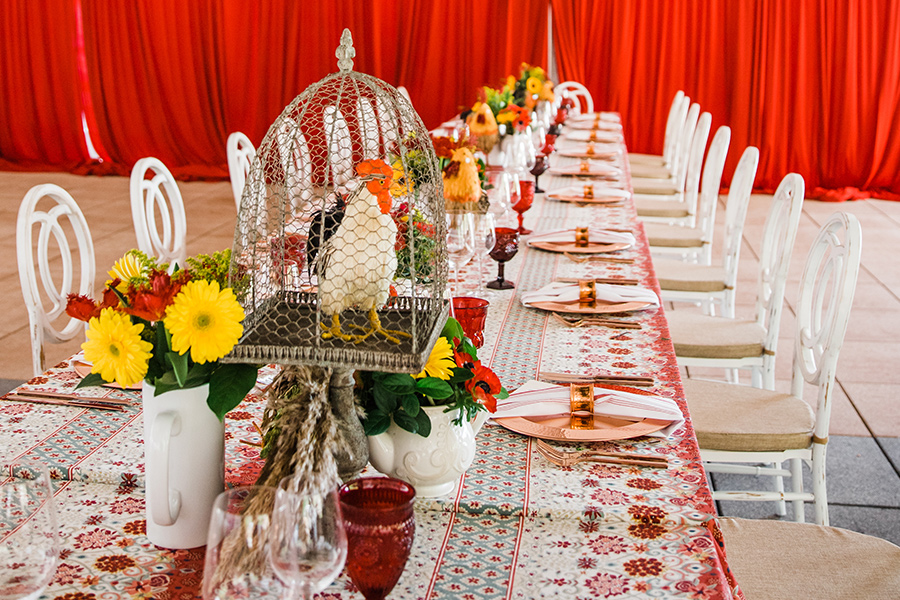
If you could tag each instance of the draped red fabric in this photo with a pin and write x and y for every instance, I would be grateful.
(40, 105)
(815, 84)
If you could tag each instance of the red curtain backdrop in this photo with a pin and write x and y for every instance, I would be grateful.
(40, 104)
(815, 84)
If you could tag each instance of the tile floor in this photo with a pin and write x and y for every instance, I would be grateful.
(864, 451)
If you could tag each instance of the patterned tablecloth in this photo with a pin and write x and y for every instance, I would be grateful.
(516, 526)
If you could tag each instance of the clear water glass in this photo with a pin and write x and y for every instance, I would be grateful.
(460, 243)
(485, 239)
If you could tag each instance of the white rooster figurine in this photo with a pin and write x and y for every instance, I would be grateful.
(356, 265)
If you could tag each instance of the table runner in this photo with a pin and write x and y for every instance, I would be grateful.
(516, 527)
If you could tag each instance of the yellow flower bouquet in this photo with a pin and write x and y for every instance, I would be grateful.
(170, 330)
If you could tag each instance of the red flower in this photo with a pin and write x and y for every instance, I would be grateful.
(483, 385)
(150, 304)
(81, 308)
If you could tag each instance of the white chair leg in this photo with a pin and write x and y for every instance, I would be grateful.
(780, 505)
(733, 375)
(818, 484)
(797, 488)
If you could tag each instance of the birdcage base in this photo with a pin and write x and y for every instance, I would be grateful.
(287, 328)
(353, 454)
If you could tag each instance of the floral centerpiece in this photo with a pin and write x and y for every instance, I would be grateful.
(170, 330)
(453, 378)
(531, 87)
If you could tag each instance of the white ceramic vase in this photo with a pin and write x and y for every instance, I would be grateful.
(184, 465)
(434, 464)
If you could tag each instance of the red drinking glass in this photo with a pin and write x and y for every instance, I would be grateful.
(526, 199)
(471, 314)
(505, 248)
(549, 144)
(378, 517)
(541, 164)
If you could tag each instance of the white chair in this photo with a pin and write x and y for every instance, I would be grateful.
(404, 92)
(584, 102)
(695, 243)
(241, 153)
(156, 202)
(672, 185)
(714, 284)
(41, 318)
(679, 206)
(736, 425)
(706, 341)
(659, 165)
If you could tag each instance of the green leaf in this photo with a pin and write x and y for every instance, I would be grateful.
(228, 385)
(424, 424)
(434, 388)
(384, 400)
(461, 375)
(90, 380)
(376, 422)
(404, 421)
(410, 404)
(199, 374)
(452, 329)
(166, 383)
(502, 394)
(399, 383)
(179, 364)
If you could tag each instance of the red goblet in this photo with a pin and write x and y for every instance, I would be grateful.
(378, 518)
(506, 247)
(526, 199)
(549, 144)
(471, 314)
(541, 164)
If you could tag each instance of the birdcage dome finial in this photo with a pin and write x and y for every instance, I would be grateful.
(345, 52)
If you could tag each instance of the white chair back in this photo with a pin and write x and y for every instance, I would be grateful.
(156, 204)
(241, 153)
(777, 246)
(709, 189)
(674, 123)
(683, 151)
(695, 164)
(35, 275)
(404, 92)
(735, 214)
(584, 102)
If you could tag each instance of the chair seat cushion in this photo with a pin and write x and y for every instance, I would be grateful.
(654, 186)
(740, 418)
(659, 234)
(650, 171)
(660, 208)
(677, 275)
(781, 560)
(645, 159)
(700, 336)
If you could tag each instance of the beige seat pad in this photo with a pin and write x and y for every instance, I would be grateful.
(677, 275)
(650, 171)
(653, 186)
(741, 418)
(777, 560)
(700, 336)
(645, 159)
(660, 234)
(660, 208)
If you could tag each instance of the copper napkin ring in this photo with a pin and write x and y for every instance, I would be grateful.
(589, 190)
(581, 402)
(587, 292)
(585, 167)
(593, 137)
(581, 237)
(590, 150)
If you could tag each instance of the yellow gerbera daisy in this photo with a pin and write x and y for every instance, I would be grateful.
(400, 186)
(131, 266)
(116, 349)
(440, 362)
(205, 320)
(533, 85)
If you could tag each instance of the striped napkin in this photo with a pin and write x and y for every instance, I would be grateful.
(564, 293)
(600, 236)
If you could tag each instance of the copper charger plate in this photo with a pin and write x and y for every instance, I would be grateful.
(604, 175)
(591, 248)
(607, 156)
(83, 369)
(558, 428)
(599, 307)
(583, 200)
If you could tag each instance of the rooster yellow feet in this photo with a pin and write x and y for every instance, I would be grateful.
(334, 330)
(392, 335)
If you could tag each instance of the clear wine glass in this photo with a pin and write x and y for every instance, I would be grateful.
(485, 238)
(498, 192)
(460, 242)
(237, 563)
(29, 538)
(309, 546)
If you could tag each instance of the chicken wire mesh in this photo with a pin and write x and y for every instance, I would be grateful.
(339, 255)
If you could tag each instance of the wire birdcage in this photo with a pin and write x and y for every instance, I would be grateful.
(310, 244)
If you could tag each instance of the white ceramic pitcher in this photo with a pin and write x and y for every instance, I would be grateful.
(184, 465)
(434, 464)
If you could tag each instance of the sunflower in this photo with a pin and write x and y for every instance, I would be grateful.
(129, 267)
(204, 320)
(116, 349)
(440, 362)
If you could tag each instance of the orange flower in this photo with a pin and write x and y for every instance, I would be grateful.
(82, 308)
(483, 385)
(150, 304)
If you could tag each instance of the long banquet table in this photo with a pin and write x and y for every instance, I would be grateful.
(517, 526)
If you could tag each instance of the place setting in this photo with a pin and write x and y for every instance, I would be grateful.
(590, 150)
(582, 240)
(590, 193)
(588, 297)
(590, 169)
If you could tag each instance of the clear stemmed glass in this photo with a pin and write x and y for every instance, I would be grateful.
(237, 550)
(485, 238)
(309, 546)
(29, 538)
(460, 242)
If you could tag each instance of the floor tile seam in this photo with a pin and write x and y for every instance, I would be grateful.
(868, 427)
(875, 206)
(850, 505)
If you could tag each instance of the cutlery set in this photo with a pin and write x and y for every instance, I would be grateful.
(595, 322)
(564, 458)
(60, 399)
